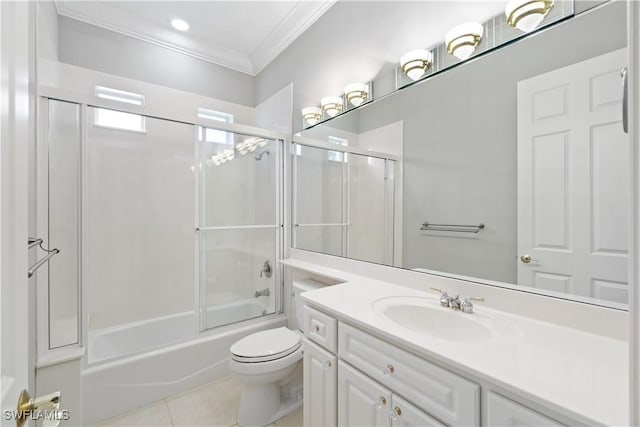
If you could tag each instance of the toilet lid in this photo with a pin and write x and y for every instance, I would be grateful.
(266, 345)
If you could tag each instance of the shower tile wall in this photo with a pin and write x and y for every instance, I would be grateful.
(140, 211)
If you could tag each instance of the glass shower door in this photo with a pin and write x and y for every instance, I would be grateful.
(240, 227)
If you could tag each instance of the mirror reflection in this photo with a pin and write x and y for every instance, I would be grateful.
(510, 169)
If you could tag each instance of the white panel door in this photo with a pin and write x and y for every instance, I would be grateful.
(320, 373)
(574, 180)
(17, 299)
(363, 402)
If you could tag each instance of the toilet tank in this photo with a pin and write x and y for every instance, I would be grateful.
(298, 287)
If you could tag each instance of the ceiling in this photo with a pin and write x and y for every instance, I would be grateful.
(242, 35)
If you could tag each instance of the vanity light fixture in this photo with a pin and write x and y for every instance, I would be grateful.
(415, 63)
(331, 105)
(311, 115)
(462, 40)
(526, 15)
(222, 158)
(249, 145)
(356, 94)
(179, 24)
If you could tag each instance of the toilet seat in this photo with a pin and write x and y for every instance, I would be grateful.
(266, 346)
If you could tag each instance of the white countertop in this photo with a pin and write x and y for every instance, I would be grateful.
(579, 374)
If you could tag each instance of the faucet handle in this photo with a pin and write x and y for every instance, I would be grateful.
(444, 297)
(467, 306)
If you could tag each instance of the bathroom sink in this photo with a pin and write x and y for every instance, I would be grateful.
(427, 316)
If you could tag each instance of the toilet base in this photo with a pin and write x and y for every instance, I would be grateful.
(261, 405)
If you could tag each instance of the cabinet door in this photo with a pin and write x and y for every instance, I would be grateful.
(363, 402)
(320, 372)
(407, 415)
(504, 412)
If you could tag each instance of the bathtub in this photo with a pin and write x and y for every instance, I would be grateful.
(157, 370)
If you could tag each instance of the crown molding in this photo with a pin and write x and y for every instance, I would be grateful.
(298, 20)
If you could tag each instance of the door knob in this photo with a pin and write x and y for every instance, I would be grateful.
(28, 405)
(526, 259)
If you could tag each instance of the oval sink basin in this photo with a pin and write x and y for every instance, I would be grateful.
(427, 316)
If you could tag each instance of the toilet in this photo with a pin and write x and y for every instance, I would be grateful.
(266, 361)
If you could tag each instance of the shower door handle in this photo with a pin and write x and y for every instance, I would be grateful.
(624, 73)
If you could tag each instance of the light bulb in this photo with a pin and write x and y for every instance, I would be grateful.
(311, 115)
(356, 93)
(462, 40)
(332, 105)
(527, 15)
(179, 24)
(415, 63)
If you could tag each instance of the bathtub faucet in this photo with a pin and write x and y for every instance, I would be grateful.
(262, 293)
(266, 269)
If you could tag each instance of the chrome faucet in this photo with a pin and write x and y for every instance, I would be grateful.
(465, 305)
(262, 293)
(266, 269)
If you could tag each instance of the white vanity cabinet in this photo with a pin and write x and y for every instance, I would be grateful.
(504, 412)
(353, 378)
(320, 371)
(443, 394)
(364, 402)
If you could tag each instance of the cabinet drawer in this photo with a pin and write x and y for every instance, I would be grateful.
(504, 412)
(320, 328)
(443, 394)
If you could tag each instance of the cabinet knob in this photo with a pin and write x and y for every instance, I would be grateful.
(317, 328)
(397, 411)
(383, 400)
(388, 370)
(328, 363)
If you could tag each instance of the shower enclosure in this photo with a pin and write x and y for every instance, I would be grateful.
(169, 230)
(344, 200)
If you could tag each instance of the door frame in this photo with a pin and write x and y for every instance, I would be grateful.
(633, 34)
(18, 135)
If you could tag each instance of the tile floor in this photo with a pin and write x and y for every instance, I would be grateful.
(212, 405)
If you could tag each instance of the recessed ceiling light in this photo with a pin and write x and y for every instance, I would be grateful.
(179, 24)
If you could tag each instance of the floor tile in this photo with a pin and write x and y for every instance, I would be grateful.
(294, 419)
(153, 415)
(213, 405)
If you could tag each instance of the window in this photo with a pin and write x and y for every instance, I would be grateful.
(119, 95)
(214, 135)
(115, 119)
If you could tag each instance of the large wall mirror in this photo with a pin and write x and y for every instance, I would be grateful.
(510, 169)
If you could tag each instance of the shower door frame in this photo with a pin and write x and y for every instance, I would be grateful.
(46, 356)
(390, 246)
(279, 227)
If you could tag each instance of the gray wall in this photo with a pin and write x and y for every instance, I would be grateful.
(93, 47)
(47, 30)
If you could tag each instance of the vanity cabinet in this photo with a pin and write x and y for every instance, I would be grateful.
(320, 371)
(364, 402)
(353, 378)
(443, 394)
(504, 412)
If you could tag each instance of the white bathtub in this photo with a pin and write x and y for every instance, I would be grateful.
(159, 370)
